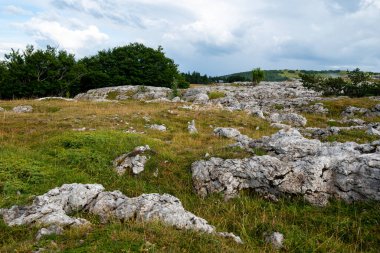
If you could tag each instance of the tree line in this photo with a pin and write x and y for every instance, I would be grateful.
(52, 72)
(356, 84)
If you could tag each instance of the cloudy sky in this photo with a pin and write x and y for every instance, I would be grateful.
(210, 36)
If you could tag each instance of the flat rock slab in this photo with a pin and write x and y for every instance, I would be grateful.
(55, 207)
(23, 109)
(296, 166)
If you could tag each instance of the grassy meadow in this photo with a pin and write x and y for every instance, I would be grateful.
(44, 149)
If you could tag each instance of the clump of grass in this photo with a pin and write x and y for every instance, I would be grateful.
(359, 136)
(216, 94)
(112, 95)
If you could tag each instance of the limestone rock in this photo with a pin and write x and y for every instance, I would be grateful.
(296, 165)
(351, 111)
(290, 118)
(23, 109)
(56, 98)
(55, 206)
(276, 239)
(317, 108)
(191, 127)
(133, 160)
(2, 109)
(161, 128)
(373, 131)
(51, 230)
(226, 132)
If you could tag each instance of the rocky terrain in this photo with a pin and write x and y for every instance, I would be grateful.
(277, 140)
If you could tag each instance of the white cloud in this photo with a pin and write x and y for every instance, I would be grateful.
(217, 36)
(16, 10)
(72, 39)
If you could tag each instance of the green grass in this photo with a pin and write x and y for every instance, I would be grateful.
(40, 151)
(216, 94)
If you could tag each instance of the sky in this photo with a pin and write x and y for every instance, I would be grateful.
(214, 37)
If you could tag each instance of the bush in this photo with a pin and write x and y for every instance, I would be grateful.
(257, 76)
(357, 85)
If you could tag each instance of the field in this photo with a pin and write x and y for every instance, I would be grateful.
(66, 142)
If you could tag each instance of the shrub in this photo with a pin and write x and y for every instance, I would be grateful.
(216, 94)
(357, 85)
(257, 76)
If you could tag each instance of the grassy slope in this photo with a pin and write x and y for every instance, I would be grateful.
(39, 151)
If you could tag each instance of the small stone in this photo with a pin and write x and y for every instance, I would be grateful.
(191, 127)
(276, 239)
(161, 128)
(2, 109)
(52, 230)
(226, 132)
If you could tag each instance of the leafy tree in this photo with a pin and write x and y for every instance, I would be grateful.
(134, 64)
(36, 73)
(257, 76)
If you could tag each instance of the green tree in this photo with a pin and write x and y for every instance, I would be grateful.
(257, 76)
(133, 64)
(36, 73)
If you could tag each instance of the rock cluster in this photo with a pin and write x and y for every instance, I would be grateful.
(296, 166)
(126, 92)
(134, 160)
(256, 100)
(55, 207)
(23, 109)
(352, 111)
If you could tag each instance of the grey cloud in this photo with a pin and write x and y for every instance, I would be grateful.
(107, 10)
(211, 49)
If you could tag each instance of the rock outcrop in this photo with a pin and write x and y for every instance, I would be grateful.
(296, 166)
(55, 207)
(126, 92)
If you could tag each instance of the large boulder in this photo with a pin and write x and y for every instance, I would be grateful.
(55, 207)
(296, 166)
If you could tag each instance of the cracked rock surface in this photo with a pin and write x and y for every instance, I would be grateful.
(296, 166)
(134, 160)
(55, 207)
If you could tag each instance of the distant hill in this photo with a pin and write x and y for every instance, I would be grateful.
(283, 75)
